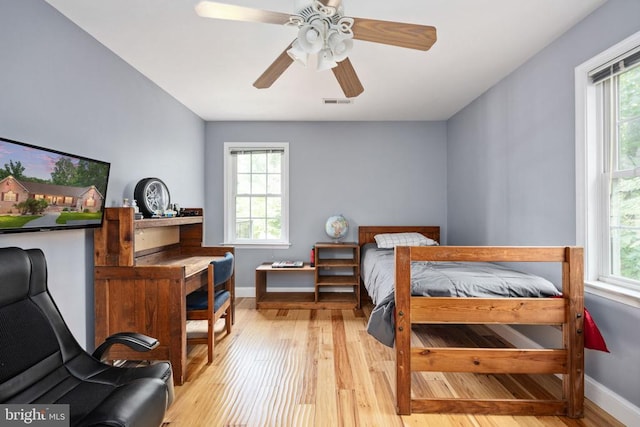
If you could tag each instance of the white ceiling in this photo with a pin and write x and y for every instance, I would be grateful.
(210, 65)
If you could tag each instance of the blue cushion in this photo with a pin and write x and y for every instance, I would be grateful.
(198, 300)
(222, 269)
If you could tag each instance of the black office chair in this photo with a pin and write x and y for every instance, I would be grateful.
(42, 363)
(215, 302)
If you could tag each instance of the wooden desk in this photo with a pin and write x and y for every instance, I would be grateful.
(195, 269)
(143, 271)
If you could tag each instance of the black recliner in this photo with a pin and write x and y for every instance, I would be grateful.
(42, 363)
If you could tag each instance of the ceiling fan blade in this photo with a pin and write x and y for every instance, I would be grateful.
(275, 70)
(411, 36)
(210, 9)
(348, 79)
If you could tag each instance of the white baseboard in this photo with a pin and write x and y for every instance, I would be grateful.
(245, 292)
(620, 408)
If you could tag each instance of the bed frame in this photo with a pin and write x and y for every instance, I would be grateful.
(566, 312)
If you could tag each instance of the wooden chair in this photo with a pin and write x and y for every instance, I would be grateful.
(215, 302)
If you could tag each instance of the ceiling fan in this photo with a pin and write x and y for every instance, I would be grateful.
(323, 30)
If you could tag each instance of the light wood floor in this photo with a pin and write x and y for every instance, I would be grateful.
(321, 368)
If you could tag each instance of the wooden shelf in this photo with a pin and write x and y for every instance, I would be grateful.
(306, 301)
(338, 297)
(166, 222)
(338, 265)
(336, 280)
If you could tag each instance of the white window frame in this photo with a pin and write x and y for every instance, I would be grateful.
(229, 195)
(589, 205)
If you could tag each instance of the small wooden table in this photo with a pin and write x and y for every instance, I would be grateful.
(265, 299)
(294, 300)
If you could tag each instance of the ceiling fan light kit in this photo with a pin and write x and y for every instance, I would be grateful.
(323, 30)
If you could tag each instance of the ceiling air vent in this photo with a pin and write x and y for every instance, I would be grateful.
(337, 101)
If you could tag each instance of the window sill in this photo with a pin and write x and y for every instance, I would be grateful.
(243, 245)
(619, 294)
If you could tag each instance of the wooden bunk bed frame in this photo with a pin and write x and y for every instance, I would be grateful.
(566, 312)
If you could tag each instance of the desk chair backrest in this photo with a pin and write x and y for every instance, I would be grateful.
(213, 304)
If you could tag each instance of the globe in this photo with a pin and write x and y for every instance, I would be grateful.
(336, 227)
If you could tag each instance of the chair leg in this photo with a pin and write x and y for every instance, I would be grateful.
(210, 312)
(211, 339)
(228, 320)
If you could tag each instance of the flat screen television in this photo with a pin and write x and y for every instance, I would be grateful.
(43, 189)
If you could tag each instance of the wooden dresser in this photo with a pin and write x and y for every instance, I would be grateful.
(143, 271)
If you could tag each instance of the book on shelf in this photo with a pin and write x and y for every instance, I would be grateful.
(287, 264)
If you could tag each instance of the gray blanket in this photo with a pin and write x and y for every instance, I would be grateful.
(440, 279)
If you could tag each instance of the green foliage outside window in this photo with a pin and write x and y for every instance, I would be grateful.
(259, 195)
(625, 192)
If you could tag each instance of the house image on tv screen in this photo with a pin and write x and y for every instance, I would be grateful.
(58, 198)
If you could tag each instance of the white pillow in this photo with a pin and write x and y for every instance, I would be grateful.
(391, 240)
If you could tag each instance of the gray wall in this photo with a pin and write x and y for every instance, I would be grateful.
(372, 173)
(61, 89)
(511, 173)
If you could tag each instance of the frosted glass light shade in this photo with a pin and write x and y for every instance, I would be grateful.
(340, 46)
(298, 54)
(310, 37)
(325, 60)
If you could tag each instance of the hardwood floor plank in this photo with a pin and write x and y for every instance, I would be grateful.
(340, 352)
(347, 410)
(326, 403)
(384, 400)
(368, 389)
(321, 368)
(310, 369)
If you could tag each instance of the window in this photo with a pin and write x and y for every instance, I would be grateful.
(608, 170)
(620, 95)
(9, 196)
(256, 193)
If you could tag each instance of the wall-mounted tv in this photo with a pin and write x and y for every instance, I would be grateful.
(43, 189)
